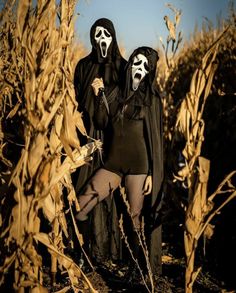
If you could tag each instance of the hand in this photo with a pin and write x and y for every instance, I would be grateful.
(147, 185)
(97, 84)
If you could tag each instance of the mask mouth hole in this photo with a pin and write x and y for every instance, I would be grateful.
(103, 47)
(138, 76)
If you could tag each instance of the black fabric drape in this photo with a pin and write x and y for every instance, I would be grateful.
(147, 98)
(153, 123)
(111, 70)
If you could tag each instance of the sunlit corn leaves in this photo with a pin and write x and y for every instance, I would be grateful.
(37, 91)
(198, 70)
(190, 125)
(189, 122)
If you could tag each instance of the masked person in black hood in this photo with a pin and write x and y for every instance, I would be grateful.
(135, 153)
(104, 65)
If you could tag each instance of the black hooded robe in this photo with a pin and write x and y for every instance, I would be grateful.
(154, 128)
(153, 121)
(111, 70)
(150, 99)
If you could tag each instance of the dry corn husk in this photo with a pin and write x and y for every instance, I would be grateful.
(36, 60)
(196, 170)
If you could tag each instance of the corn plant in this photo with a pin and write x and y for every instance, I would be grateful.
(37, 91)
(190, 125)
(149, 285)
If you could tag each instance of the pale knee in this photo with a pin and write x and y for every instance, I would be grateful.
(86, 202)
(81, 216)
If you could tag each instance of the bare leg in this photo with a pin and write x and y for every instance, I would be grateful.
(134, 187)
(101, 185)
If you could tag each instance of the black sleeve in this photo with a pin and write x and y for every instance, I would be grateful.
(77, 79)
(100, 113)
(77, 84)
(148, 140)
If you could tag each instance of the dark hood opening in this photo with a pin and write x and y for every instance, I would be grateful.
(149, 82)
(113, 49)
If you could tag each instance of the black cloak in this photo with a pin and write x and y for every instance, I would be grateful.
(111, 70)
(153, 116)
(153, 122)
(146, 95)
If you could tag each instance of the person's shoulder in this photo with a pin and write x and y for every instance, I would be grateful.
(123, 61)
(83, 61)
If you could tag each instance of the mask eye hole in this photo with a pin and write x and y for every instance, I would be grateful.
(98, 34)
(137, 62)
(107, 34)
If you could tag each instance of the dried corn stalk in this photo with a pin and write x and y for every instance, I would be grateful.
(199, 215)
(167, 63)
(38, 86)
(142, 243)
(190, 125)
(173, 38)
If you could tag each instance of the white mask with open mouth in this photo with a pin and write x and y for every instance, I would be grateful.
(139, 70)
(103, 38)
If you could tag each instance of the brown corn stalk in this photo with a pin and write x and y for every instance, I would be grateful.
(37, 85)
(196, 170)
(142, 243)
(172, 39)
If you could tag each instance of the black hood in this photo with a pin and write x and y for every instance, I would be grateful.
(149, 82)
(113, 50)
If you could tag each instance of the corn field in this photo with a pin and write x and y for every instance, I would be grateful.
(40, 149)
(194, 77)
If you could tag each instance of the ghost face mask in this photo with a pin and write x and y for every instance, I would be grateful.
(139, 69)
(103, 38)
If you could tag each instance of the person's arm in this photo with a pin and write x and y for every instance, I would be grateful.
(100, 107)
(78, 79)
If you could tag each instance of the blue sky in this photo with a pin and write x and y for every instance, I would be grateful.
(139, 22)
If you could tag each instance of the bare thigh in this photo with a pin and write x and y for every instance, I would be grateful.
(134, 187)
(101, 185)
